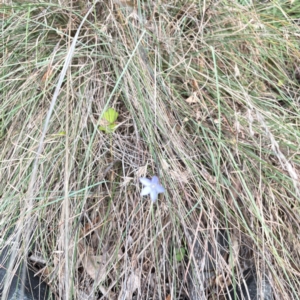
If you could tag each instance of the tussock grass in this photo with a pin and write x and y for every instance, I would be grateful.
(208, 99)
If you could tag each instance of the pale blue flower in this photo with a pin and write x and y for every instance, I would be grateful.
(152, 187)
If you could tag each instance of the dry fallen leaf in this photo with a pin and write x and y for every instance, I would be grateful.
(133, 283)
(126, 3)
(220, 281)
(180, 176)
(94, 265)
(195, 85)
(192, 99)
(47, 74)
(235, 247)
(236, 71)
(198, 115)
(211, 179)
(142, 171)
(126, 180)
(82, 295)
(165, 165)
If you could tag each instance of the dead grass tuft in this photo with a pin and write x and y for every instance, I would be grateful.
(207, 97)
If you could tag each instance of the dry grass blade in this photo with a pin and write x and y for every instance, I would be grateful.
(206, 98)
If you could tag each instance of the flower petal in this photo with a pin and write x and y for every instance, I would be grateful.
(145, 181)
(154, 180)
(146, 190)
(160, 189)
(153, 195)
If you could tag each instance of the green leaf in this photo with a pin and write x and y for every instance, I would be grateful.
(109, 128)
(179, 254)
(110, 115)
